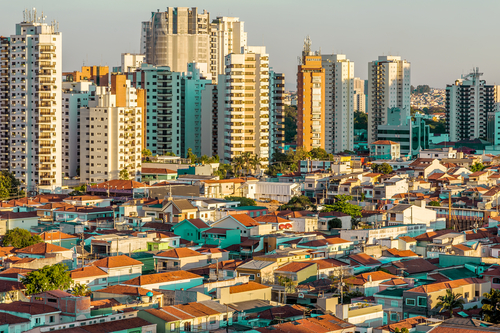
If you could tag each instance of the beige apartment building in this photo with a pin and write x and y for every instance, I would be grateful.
(35, 61)
(246, 112)
(111, 133)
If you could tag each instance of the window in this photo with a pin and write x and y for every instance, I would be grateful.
(52, 319)
(394, 304)
(422, 301)
(496, 280)
(187, 327)
(410, 301)
(466, 295)
(172, 327)
(212, 320)
(381, 301)
(394, 317)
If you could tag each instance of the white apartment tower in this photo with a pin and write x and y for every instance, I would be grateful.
(469, 101)
(111, 134)
(359, 95)
(339, 107)
(388, 87)
(35, 104)
(4, 103)
(246, 111)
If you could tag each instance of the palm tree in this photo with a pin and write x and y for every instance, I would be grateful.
(80, 290)
(255, 163)
(450, 301)
(491, 306)
(238, 163)
(247, 157)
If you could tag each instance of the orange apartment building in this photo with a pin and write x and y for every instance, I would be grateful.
(98, 74)
(310, 100)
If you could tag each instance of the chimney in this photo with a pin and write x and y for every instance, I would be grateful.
(369, 278)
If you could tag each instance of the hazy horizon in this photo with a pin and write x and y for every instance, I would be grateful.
(439, 39)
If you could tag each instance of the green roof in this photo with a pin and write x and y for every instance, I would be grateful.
(394, 293)
(250, 208)
(156, 206)
(458, 273)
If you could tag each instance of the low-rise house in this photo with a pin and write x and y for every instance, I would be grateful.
(247, 225)
(302, 221)
(493, 276)
(180, 259)
(24, 220)
(332, 267)
(11, 291)
(368, 283)
(37, 314)
(221, 237)
(445, 244)
(175, 280)
(411, 214)
(422, 300)
(298, 272)
(369, 236)
(72, 307)
(480, 178)
(154, 175)
(130, 295)
(178, 210)
(44, 250)
(323, 219)
(385, 150)
(363, 259)
(89, 200)
(82, 214)
(259, 271)
(281, 192)
(119, 268)
(423, 167)
(362, 315)
(92, 276)
(243, 292)
(59, 238)
(413, 268)
(190, 230)
(392, 303)
(407, 243)
(10, 323)
(325, 324)
(224, 270)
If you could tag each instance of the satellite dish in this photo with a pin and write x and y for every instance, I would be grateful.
(301, 295)
(149, 294)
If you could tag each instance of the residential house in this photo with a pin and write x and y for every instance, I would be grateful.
(128, 295)
(243, 292)
(423, 167)
(10, 323)
(91, 276)
(439, 153)
(385, 150)
(332, 267)
(324, 217)
(175, 280)
(60, 238)
(479, 178)
(298, 272)
(180, 259)
(392, 303)
(368, 283)
(37, 314)
(89, 200)
(422, 300)
(411, 214)
(154, 175)
(259, 271)
(389, 188)
(302, 221)
(72, 307)
(44, 250)
(407, 243)
(370, 236)
(11, 291)
(225, 269)
(119, 268)
(24, 220)
(175, 211)
(220, 237)
(362, 259)
(190, 230)
(247, 225)
(412, 268)
(281, 192)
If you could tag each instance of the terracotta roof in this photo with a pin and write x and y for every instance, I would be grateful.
(199, 223)
(384, 142)
(179, 253)
(404, 253)
(161, 278)
(250, 286)
(337, 240)
(127, 290)
(104, 303)
(117, 261)
(294, 267)
(120, 185)
(394, 282)
(281, 312)
(361, 279)
(270, 219)
(41, 248)
(197, 309)
(8, 319)
(413, 266)
(172, 310)
(407, 239)
(477, 173)
(27, 307)
(210, 250)
(329, 263)
(123, 325)
(462, 247)
(373, 174)
(429, 236)
(315, 243)
(162, 314)
(88, 271)
(405, 323)
(438, 277)
(9, 285)
(246, 220)
(364, 259)
(182, 204)
(7, 250)
(57, 235)
(157, 171)
(433, 287)
(20, 215)
(54, 205)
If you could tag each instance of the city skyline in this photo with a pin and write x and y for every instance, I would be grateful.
(423, 33)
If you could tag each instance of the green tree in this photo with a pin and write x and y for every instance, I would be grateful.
(20, 238)
(223, 170)
(124, 175)
(435, 203)
(298, 203)
(334, 223)
(214, 159)
(342, 205)
(255, 163)
(449, 302)
(191, 156)
(319, 153)
(491, 306)
(146, 152)
(243, 201)
(9, 186)
(204, 159)
(290, 123)
(477, 167)
(48, 278)
(437, 127)
(360, 120)
(238, 163)
(170, 154)
(382, 168)
(79, 289)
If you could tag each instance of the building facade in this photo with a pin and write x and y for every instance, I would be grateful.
(276, 112)
(468, 103)
(359, 95)
(4, 103)
(246, 112)
(310, 100)
(35, 108)
(339, 103)
(388, 88)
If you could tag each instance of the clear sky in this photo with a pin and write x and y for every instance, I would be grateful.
(442, 39)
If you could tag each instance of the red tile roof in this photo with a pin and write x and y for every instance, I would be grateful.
(120, 185)
(20, 215)
(271, 219)
(127, 290)
(294, 267)
(161, 278)
(27, 307)
(407, 239)
(117, 261)
(250, 286)
(199, 223)
(433, 287)
(41, 249)
(8, 319)
(104, 303)
(179, 253)
(55, 235)
(364, 259)
(88, 271)
(157, 171)
(246, 220)
(124, 325)
(401, 254)
(361, 279)
(329, 263)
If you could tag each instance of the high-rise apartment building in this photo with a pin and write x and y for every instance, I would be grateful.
(75, 95)
(35, 61)
(276, 112)
(97, 74)
(359, 95)
(131, 62)
(468, 103)
(310, 100)
(339, 103)
(388, 88)
(246, 111)
(4, 103)
(111, 133)
(176, 37)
